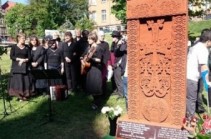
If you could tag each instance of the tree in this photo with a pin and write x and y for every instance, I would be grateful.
(119, 10)
(66, 26)
(197, 3)
(39, 15)
(85, 23)
(18, 19)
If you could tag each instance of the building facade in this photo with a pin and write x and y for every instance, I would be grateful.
(100, 13)
(4, 36)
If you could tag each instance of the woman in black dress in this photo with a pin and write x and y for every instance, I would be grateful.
(37, 62)
(94, 73)
(19, 84)
(54, 60)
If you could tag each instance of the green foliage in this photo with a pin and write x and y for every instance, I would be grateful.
(2, 51)
(119, 10)
(85, 23)
(195, 28)
(66, 26)
(200, 136)
(199, 4)
(18, 19)
(39, 15)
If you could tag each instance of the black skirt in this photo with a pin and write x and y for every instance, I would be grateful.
(94, 81)
(20, 85)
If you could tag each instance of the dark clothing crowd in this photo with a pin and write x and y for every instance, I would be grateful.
(84, 62)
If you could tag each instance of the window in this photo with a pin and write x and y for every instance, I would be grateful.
(103, 15)
(103, 1)
(92, 2)
(92, 16)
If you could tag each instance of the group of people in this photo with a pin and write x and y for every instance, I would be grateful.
(85, 62)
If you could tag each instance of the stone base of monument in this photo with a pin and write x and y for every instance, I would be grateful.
(130, 129)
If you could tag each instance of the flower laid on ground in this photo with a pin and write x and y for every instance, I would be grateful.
(112, 112)
(199, 128)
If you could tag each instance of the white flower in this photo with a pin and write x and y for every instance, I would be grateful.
(116, 113)
(105, 109)
(119, 110)
(111, 109)
(112, 112)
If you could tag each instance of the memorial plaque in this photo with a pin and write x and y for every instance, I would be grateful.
(157, 50)
(132, 130)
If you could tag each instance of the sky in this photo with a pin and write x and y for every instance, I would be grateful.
(20, 1)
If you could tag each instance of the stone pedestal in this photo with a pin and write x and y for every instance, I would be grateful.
(157, 50)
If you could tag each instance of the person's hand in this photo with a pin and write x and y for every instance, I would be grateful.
(34, 64)
(62, 70)
(209, 84)
(67, 60)
(21, 61)
(119, 42)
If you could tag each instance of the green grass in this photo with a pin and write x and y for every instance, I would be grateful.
(72, 118)
(5, 63)
(195, 28)
(108, 38)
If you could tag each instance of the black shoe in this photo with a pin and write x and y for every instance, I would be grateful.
(200, 111)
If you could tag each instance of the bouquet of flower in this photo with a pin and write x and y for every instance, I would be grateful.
(112, 112)
(200, 128)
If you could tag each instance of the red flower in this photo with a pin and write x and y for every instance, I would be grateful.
(184, 120)
(205, 116)
(207, 124)
(202, 131)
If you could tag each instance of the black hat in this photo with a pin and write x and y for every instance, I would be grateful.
(115, 34)
(48, 38)
(85, 33)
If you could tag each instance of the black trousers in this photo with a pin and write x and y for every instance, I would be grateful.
(70, 76)
(118, 80)
(199, 101)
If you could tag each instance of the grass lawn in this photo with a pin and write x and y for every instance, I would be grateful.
(72, 118)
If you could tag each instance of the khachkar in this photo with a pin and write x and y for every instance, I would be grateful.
(157, 49)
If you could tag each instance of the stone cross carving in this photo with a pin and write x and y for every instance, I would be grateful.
(157, 65)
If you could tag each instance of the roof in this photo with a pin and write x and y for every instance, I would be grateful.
(8, 5)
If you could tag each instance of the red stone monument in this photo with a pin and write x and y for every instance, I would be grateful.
(157, 49)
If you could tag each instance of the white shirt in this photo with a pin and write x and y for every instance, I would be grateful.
(198, 54)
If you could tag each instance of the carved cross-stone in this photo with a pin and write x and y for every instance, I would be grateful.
(157, 49)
